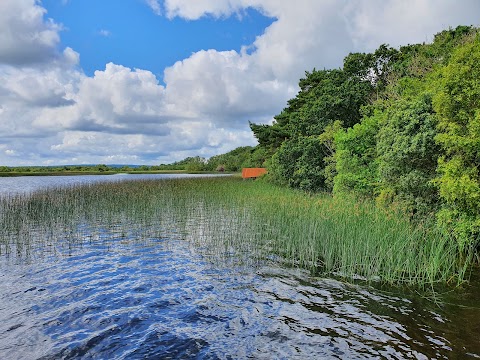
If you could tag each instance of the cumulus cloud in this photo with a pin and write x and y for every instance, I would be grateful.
(51, 112)
(319, 33)
(118, 96)
(224, 86)
(34, 88)
(400, 22)
(25, 37)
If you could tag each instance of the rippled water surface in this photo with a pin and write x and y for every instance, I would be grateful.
(27, 184)
(166, 297)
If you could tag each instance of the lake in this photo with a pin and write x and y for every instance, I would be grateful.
(163, 295)
(22, 184)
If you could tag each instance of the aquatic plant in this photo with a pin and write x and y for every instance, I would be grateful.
(235, 220)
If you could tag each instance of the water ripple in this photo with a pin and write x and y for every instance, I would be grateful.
(162, 299)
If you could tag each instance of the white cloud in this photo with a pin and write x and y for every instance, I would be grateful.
(225, 87)
(155, 6)
(51, 112)
(401, 22)
(193, 10)
(25, 37)
(118, 97)
(29, 87)
(319, 33)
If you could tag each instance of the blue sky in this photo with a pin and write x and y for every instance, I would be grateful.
(155, 81)
(128, 32)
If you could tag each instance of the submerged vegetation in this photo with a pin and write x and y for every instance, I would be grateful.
(244, 220)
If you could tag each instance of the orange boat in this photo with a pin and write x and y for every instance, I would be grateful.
(249, 173)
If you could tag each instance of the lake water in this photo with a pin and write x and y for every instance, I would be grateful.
(165, 298)
(25, 184)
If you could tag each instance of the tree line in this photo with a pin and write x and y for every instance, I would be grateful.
(397, 126)
(232, 161)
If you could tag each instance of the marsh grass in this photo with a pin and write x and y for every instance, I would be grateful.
(244, 221)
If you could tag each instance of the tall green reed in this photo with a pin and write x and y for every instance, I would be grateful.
(237, 220)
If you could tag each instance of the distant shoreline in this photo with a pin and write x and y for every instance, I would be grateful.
(77, 173)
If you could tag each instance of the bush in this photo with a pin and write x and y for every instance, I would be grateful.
(356, 163)
(458, 106)
(299, 163)
(408, 154)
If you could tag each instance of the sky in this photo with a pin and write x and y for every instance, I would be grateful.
(156, 81)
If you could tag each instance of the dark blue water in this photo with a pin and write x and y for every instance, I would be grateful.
(167, 298)
(160, 299)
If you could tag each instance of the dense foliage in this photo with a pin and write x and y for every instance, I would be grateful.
(458, 107)
(401, 127)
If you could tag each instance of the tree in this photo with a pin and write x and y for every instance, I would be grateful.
(196, 163)
(299, 164)
(356, 155)
(327, 139)
(373, 68)
(269, 136)
(233, 160)
(101, 167)
(325, 96)
(407, 155)
(458, 106)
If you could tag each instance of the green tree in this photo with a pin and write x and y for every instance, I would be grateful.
(458, 106)
(356, 157)
(269, 136)
(231, 161)
(258, 157)
(407, 155)
(327, 139)
(299, 164)
(193, 164)
(327, 96)
(373, 68)
(324, 97)
(101, 168)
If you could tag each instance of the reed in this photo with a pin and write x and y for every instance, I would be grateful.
(235, 220)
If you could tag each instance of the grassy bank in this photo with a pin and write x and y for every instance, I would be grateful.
(233, 218)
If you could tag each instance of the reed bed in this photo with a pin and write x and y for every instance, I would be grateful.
(234, 219)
